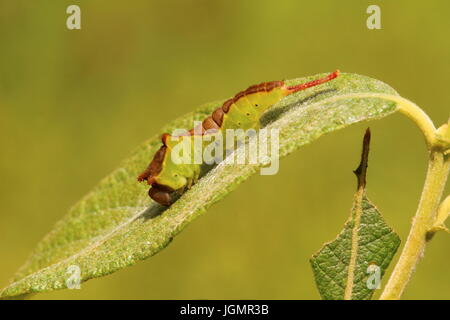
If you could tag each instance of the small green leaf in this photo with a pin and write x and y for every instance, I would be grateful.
(377, 244)
(116, 224)
(352, 266)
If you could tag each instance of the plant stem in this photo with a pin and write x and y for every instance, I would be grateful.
(438, 169)
(442, 215)
(407, 108)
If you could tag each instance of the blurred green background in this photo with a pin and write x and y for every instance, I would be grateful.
(73, 104)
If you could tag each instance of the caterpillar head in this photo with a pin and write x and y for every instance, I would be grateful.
(161, 193)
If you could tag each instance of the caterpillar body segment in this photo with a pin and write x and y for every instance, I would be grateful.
(169, 178)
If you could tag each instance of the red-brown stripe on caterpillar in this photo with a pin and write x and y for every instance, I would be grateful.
(155, 166)
(313, 83)
(240, 112)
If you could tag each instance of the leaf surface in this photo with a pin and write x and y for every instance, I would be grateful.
(116, 224)
(377, 244)
(351, 266)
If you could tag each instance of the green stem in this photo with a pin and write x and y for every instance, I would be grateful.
(438, 168)
(414, 248)
(407, 108)
(420, 118)
(442, 215)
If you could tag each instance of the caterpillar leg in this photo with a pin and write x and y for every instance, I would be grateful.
(189, 184)
(194, 179)
(163, 197)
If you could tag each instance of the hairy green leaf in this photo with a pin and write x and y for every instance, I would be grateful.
(377, 244)
(116, 224)
(351, 267)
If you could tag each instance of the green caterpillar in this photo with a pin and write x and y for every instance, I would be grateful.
(243, 111)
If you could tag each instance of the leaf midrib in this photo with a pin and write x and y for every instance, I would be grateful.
(356, 217)
(95, 244)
